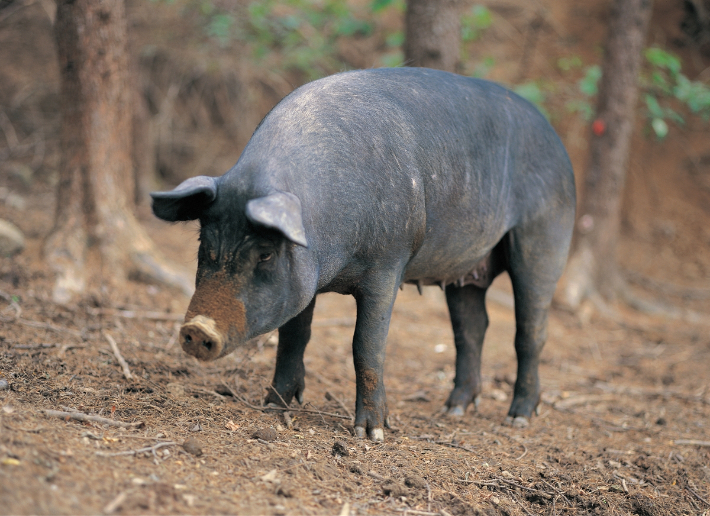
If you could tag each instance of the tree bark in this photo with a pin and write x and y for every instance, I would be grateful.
(592, 266)
(96, 238)
(432, 34)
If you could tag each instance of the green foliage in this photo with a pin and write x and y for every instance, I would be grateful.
(534, 92)
(377, 6)
(589, 84)
(569, 63)
(474, 22)
(303, 33)
(666, 84)
(483, 68)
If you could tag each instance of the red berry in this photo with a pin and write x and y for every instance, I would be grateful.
(598, 127)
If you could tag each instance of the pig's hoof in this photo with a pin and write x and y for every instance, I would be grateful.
(456, 411)
(517, 422)
(377, 434)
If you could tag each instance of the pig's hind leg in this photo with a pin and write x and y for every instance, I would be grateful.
(469, 319)
(289, 375)
(536, 258)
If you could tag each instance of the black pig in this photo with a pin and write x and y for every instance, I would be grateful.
(365, 180)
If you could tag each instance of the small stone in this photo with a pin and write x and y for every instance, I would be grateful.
(506, 474)
(415, 482)
(3, 384)
(193, 446)
(12, 241)
(285, 490)
(340, 448)
(271, 477)
(393, 489)
(266, 434)
(354, 468)
(176, 390)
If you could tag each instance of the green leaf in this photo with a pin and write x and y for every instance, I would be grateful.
(478, 19)
(568, 63)
(395, 39)
(589, 83)
(660, 127)
(380, 5)
(654, 107)
(392, 59)
(663, 59)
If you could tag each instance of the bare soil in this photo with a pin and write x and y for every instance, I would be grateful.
(623, 427)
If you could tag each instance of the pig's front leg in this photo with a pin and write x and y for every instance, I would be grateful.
(374, 309)
(289, 375)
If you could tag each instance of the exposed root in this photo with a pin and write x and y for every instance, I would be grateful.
(667, 288)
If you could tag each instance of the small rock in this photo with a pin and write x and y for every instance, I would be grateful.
(193, 446)
(354, 468)
(271, 477)
(175, 389)
(506, 474)
(12, 241)
(340, 448)
(415, 482)
(196, 428)
(392, 488)
(498, 395)
(3, 384)
(285, 490)
(266, 434)
(22, 172)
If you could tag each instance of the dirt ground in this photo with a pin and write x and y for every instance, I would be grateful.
(623, 427)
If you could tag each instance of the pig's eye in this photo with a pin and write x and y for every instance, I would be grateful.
(264, 257)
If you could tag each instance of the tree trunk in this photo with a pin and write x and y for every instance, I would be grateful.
(592, 266)
(96, 239)
(432, 34)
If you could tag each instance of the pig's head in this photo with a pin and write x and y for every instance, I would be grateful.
(253, 272)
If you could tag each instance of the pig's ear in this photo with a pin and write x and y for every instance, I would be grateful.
(280, 211)
(186, 201)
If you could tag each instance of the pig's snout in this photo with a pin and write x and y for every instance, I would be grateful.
(201, 338)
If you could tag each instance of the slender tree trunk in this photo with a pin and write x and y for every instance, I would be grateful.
(96, 238)
(592, 266)
(432, 34)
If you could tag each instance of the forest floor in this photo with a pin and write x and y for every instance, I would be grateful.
(623, 426)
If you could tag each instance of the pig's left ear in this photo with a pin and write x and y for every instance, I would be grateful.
(186, 201)
(280, 211)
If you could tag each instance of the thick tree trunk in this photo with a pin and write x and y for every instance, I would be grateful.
(96, 239)
(432, 34)
(592, 266)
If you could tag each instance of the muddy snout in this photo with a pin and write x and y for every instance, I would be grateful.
(201, 338)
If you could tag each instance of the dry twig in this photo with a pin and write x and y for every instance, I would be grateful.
(285, 409)
(330, 397)
(80, 416)
(147, 449)
(114, 347)
(697, 496)
(691, 442)
(135, 314)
